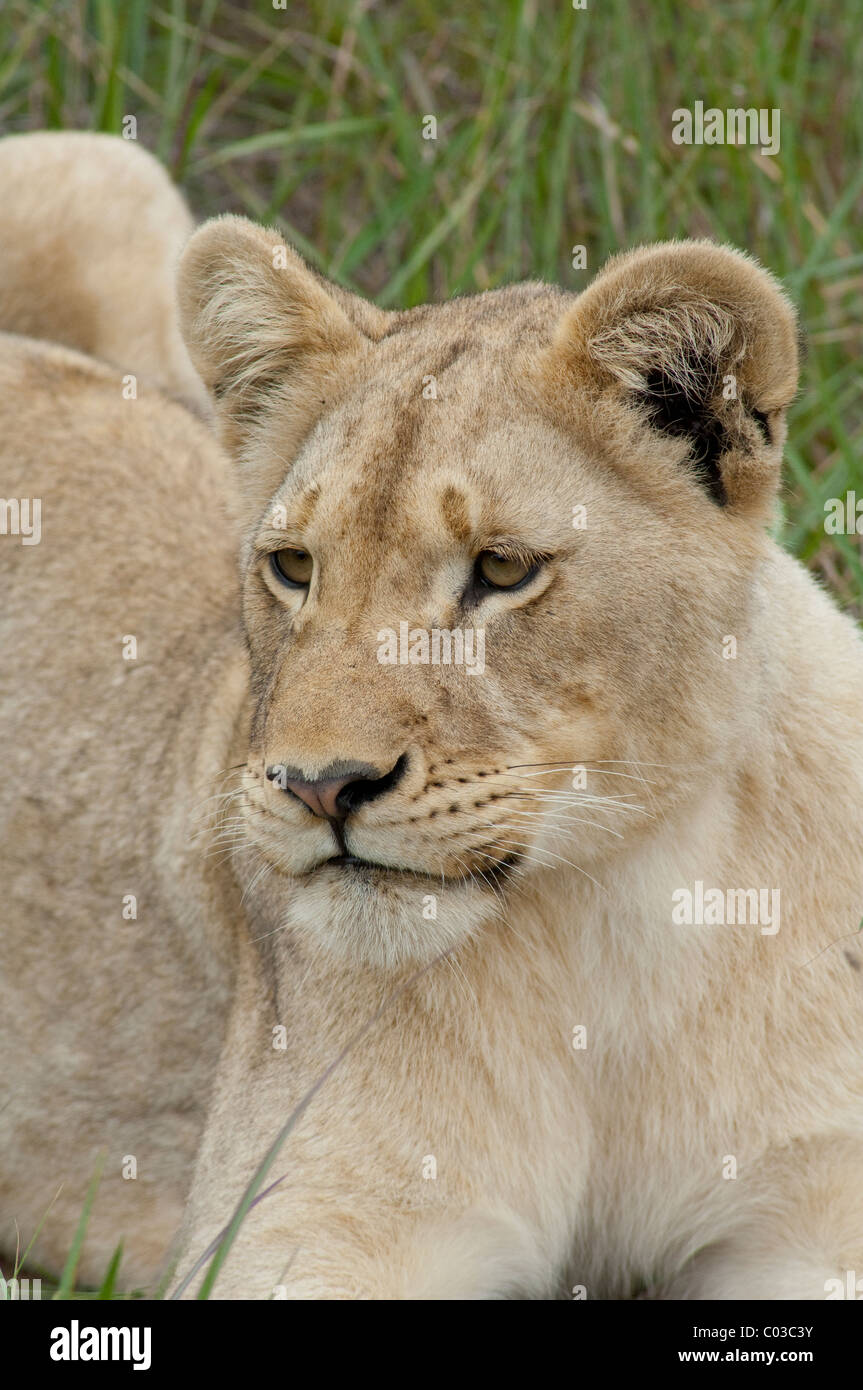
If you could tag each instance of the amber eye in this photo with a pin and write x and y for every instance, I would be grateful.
(293, 567)
(502, 571)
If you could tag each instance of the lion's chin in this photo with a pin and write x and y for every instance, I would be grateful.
(373, 915)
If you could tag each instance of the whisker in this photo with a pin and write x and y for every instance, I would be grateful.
(518, 844)
(602, 772)
(595, 762)
(261, 874)
(609, 803)
(541, 815)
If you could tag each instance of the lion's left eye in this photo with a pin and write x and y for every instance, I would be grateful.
(502, 571)
(293, 567)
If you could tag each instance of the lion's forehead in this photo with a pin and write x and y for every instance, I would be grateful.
(393, 464)
(435, 442)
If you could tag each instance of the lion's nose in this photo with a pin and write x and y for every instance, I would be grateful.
(333, 797)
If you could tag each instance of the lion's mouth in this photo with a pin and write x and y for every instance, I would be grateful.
(369, 869)
(372, 869)
(353, 861)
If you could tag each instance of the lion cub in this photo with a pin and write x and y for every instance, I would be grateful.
(569, 941)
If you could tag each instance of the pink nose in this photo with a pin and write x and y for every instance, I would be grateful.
(334, 798)
(321, 797)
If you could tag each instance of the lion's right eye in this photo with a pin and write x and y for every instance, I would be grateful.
(498, 571)
(292, 567)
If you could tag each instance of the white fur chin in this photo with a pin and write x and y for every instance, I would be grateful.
(382, 923)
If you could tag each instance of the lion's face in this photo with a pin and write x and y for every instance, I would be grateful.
(495, 550)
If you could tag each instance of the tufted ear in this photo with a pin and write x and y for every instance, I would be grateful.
(702, 342)
(265, 333)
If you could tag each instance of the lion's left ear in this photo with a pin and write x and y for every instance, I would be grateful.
(265, 332)
(702, 342)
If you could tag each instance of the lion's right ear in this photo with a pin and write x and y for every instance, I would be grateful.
(695, 345)
(263, 330)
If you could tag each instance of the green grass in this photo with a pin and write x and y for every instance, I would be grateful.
(554, 129)
(65, 1287)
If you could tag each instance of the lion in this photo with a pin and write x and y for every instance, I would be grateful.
(539, 980)
(98, 273)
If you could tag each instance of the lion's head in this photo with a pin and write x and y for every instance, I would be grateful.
(564, 495)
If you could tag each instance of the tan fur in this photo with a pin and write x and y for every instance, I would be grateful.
(555, 1166)
(91, 229)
